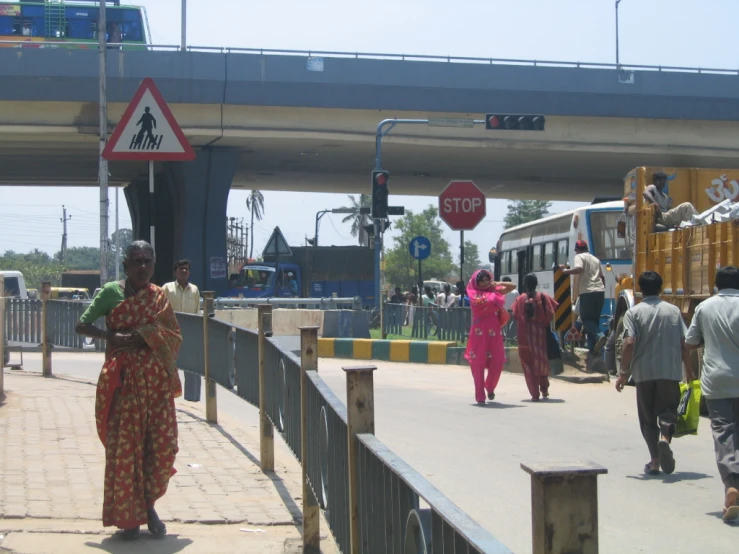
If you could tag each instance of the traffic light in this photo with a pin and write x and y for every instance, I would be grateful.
(370, 229)
(514, 122)
(492, 255)
(380, 179)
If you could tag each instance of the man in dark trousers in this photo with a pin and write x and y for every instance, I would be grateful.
(714, 325)
(185, 297)
(654, 352)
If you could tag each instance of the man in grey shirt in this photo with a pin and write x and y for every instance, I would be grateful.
(667, 215)
(716, 325)
(653, 352)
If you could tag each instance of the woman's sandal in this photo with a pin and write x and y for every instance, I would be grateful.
(129, 534)
(649, 471)
(155, 525)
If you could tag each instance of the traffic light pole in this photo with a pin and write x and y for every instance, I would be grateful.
(383, 128)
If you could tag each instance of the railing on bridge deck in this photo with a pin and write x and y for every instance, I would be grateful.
(371, 499)
(373, 56)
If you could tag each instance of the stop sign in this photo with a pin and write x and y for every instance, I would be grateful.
(462, 205)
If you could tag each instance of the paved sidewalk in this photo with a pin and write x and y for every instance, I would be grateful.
(51, 462)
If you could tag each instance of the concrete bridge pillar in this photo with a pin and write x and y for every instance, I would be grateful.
(190, 215)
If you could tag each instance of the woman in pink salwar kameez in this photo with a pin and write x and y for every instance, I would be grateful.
(533, 312)
(485, 343)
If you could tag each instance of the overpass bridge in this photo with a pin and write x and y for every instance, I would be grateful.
(306, 121)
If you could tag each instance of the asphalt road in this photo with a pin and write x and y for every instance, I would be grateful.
(426, 414)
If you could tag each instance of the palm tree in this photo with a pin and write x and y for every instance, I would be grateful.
(358, 219)
(254, 204)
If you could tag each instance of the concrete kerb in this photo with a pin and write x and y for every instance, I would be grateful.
(431, 352)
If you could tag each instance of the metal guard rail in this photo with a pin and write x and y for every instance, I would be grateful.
(375, 55)
(354, 301)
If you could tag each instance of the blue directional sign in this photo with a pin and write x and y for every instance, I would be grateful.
(420, 248)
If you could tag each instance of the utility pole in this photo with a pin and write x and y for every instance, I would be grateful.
(103, 163)
(183, 40)
(117, 240)
(618, 61)
(64, 220)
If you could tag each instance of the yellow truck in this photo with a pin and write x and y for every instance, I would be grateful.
(686, 258)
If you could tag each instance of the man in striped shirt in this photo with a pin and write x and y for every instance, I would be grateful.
(654, 352)
(185, 297)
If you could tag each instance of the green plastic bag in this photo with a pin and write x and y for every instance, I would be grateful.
(688, 412)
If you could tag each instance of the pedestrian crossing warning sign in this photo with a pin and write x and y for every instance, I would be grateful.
(148, 130)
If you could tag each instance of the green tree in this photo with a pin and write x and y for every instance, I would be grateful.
(358, 219)
(471, 259)
(523, 211)
(36, 266)
(81, 257)
(400, 268)
(255, 204)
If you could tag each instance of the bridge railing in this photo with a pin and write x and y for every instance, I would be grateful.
(373, 55)
(371, 499)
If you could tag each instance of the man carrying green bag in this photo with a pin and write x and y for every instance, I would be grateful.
(716, 325)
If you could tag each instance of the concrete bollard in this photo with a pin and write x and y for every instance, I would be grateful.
(211, 398)
(45, 338)
(311, 510)
(564, 506)
(266, 430)
(360, 414)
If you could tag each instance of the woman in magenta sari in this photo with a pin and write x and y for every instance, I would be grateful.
(485, 343)
(533, 312)
(134, 405)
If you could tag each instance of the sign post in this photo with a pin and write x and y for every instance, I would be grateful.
(462, 207)
(420, 249)
(148, 131)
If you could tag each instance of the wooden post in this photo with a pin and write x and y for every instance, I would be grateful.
(266, 431)
(211, 398)
(2, 336)
(45, 339)
(564, 506)
(311, 510)
(360, 408)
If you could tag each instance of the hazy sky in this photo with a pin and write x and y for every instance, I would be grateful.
(659, 32)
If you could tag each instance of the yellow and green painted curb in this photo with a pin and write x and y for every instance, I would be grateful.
(414, 351)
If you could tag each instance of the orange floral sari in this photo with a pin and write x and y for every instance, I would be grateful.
(134, 408)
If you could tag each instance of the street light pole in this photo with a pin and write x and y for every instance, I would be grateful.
(102, 162)
(320, 214)
(618, 63)
(183, 45)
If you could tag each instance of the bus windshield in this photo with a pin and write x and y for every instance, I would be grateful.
(607, 245)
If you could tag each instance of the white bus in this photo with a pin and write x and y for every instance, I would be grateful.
(538, 246)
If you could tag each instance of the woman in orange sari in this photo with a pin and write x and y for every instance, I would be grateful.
(134, 405)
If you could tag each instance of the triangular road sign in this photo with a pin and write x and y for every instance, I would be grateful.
(277, 245)
(148, 130)
(573, 335)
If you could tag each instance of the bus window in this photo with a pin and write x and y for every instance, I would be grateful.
(548, 255)
(537, 263)
(513, 263)
(563, 251)
(607, 245)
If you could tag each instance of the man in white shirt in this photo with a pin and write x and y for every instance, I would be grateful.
(185, 297)
(667, 215)
(590, 288)
(715, 325)
(446, 299)
(510, 330)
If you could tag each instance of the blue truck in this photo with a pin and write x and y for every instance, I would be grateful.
(310, 272)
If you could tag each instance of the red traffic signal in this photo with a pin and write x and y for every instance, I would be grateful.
(514, 122)
(380, 179)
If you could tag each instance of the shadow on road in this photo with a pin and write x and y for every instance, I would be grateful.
(545, 401)
(495, 406)
(171, 544)
(673, 478)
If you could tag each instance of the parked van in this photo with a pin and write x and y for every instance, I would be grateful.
(15, 285)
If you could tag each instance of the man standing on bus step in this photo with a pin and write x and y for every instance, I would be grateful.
(715, 325)
(654, 353)
(590, 289)
(667, 215)
(185, 297)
